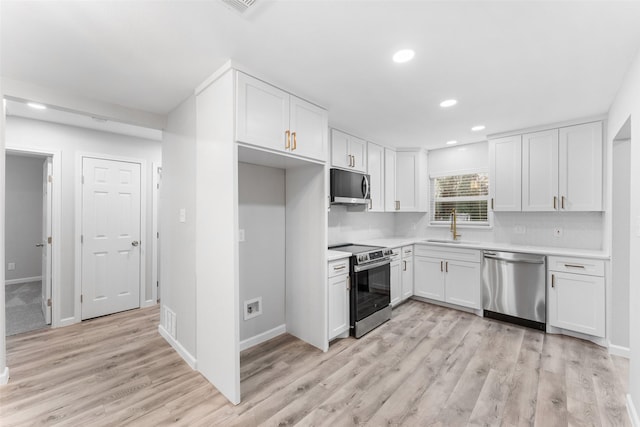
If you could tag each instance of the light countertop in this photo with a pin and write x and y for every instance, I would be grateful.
(394, 242)
(334, 255)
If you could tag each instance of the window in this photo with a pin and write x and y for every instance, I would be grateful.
(467, 193)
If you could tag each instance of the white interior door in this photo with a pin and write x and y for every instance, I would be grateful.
(47, 173)
(110, 236)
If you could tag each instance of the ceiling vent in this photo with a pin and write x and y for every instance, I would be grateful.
(240, 6)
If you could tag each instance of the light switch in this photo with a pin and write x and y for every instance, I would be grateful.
(183, 215)
(11, 266)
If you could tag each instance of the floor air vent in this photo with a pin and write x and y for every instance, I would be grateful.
(240, 6)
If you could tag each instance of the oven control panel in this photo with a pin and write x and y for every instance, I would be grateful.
(374, 255)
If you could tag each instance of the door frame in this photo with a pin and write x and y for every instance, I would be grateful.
(77, 306)
(56, 220)
(156, 177)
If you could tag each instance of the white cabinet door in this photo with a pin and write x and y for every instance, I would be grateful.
(462, 283)
(540, 171)
(407, 176)
(580, 169)
(340, 156)
(396, 282)
(428, 278)
(262, 116)
(390, 200)
(358, 149)
(309, 129)
(577, 303)
(375, 162)
(338, 305)
(505, 173)
(407, 272)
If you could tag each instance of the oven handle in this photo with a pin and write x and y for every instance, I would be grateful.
(359, 268)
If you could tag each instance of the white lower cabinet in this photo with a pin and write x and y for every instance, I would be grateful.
(576, 295)
(407, 272)
(396, 277)
(338, 284)
(448, 275)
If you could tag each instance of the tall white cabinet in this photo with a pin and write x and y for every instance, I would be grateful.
(375, 169)
(276, 129)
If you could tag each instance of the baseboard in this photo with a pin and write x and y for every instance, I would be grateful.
(4, 377)
(191, 361)
(66, 322)
(633, 414)
(265, 336)
(148, 303)
(23, 280)
(618, 350)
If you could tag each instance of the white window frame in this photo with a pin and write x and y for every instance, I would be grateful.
(461, 224)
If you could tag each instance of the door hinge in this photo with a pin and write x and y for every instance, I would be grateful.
(157, 235)
(49, 240)
(50, 178)
(82, 238)
(158, 186)
(81, 298)
(82, 179)
(49, 302)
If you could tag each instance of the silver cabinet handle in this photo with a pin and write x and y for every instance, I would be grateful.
(575, 266)
(135, 243)
(39, 245)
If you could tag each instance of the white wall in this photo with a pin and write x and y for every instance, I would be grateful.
(620, 245)
(261, 214)
(4, 372)
(23, 216)
(178, 191)
(627, 104)
(350, 225)
(69, 140)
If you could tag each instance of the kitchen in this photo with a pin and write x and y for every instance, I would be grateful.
(204, 135)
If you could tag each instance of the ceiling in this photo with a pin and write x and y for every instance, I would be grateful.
(510, 65)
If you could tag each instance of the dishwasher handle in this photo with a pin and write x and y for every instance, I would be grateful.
(493, 255)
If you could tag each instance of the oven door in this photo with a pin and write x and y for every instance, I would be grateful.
(370, 290)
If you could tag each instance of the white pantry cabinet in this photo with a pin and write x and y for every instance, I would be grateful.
(448, 274)
(348, 151)
(375, 168)
(271, 118)
(505, 173)
(338, 284)
(407, 272)
(396, 277)
(562, 169)
(405, 181)
(576, 295)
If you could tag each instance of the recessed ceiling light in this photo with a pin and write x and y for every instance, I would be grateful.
(452, 142)
(477, 128)
(403, 55)
(37, 106)
(448, 103)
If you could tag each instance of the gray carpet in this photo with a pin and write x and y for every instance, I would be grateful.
(23, 308)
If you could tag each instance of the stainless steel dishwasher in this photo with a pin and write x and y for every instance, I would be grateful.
(514, 288)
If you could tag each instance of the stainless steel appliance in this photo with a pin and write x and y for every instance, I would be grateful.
(349, 188)
(370, 294)
(514, 288)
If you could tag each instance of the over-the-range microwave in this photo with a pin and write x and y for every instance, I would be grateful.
(349, 188)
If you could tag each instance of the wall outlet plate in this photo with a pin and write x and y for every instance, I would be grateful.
(252, 308)
(520, 229)
(11, 266)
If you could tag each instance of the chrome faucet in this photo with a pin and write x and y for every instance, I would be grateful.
(454, 225)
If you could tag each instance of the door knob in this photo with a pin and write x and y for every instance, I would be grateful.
(39, 245)
(135, 243)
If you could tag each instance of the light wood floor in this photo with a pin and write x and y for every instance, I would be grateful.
(428, 366)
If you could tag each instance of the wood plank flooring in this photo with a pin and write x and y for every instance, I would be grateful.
(428, 366)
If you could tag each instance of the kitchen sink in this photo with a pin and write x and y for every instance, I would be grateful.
(455, 242)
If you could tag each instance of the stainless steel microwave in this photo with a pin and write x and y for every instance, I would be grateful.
(349, 188)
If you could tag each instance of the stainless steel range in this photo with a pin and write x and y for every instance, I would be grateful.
(370, 294)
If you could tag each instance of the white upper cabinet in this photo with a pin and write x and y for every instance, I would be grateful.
(390, 201)
(505, 171)
(405, 181)
(375, 166)
(540, 171)
(580, 171)
(272, 118)
(552, 170)
(348, 151)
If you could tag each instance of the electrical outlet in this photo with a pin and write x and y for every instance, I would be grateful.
(520, 229)
(182, 215)
(557, 232)
(252, 308)
(241, 235)
(11, 266)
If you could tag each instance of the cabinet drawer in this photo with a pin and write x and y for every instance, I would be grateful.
(407, 251)
(337, 267)
(445, 252)
(592, 267)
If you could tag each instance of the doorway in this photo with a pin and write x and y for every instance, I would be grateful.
(28, 242)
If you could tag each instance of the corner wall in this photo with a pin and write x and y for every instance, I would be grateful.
(625, 105)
